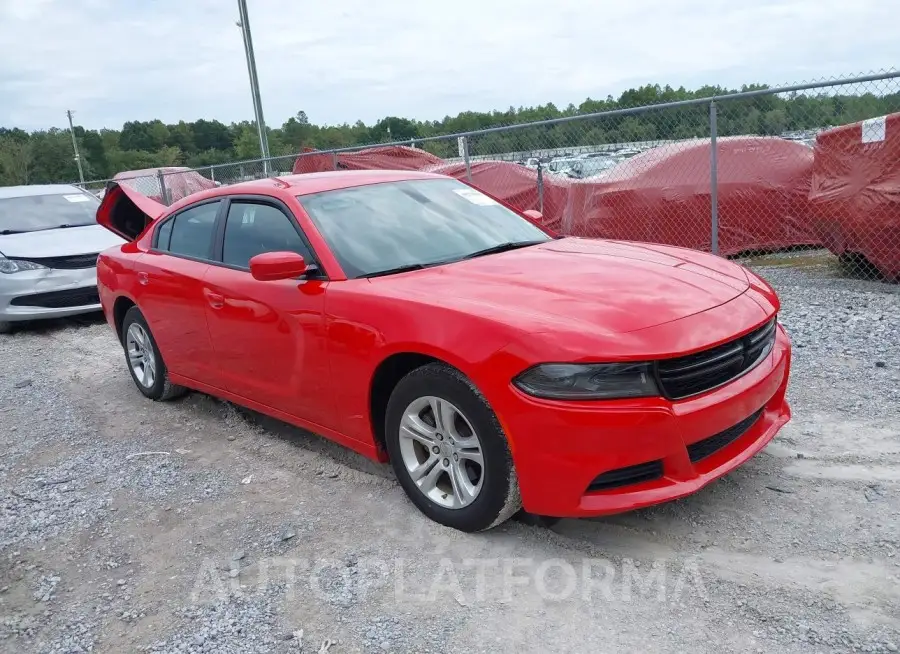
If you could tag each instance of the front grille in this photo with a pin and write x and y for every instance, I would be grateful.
(708, 446)
(73, 262)
(73, 297)
(627, 476)
(697, 373)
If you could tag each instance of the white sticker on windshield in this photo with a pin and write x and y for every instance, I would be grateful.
(77, 198)
(475, 197)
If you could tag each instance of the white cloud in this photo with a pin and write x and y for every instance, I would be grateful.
(341, 61)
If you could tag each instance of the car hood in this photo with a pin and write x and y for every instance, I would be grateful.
(602, 286)
(89, 239)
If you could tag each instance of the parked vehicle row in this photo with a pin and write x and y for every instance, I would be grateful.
(583, 166)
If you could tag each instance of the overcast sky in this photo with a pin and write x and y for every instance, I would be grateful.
(343, 60)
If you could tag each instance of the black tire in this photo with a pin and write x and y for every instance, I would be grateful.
(161, 389)
(499, 496)
(6, 327)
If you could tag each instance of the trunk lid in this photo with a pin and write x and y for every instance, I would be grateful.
(127, 213)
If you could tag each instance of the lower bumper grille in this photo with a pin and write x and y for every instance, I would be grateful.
(73, 297)
(709, 446)
(627, 476)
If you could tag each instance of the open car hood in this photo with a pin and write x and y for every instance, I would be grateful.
(127, 213)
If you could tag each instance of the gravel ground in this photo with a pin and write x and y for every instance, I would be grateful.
(192, 526)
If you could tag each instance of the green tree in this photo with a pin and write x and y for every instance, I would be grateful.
(46, 155)
(16, 160)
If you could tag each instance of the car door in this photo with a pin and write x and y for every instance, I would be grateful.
(171, 292)
(268, 336)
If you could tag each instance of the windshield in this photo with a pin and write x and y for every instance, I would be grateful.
(423, 222)
(33, 213)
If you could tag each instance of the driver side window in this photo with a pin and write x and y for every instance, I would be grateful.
(252, 228)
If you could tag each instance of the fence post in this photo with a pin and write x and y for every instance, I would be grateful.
(164, 194)
(714, 176)
(212, 173)
(540, 183)
(334, 160)
(464, 153)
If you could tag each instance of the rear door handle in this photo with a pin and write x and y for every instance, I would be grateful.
(143, 278)
(215, 300)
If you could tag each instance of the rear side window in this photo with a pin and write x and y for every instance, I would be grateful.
(164, 235)
(252, 228)
(190, 233)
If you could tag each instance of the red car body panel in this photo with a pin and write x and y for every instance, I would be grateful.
(306, 351)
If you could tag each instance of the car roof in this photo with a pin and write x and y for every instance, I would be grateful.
(328, 181)
(37, 189)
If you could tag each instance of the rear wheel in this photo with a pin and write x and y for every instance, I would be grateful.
(147, 368)
(448, 450)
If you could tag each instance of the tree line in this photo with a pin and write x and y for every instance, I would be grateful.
(46, 156)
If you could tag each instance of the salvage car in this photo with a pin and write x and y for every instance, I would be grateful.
(49, 242)
(417, 320)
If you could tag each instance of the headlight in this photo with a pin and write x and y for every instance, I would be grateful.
(595, 381)
(14, 265)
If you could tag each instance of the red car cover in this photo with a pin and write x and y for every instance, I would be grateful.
(663, 196)
(516, 185)
(180, 182)
(397, 157)
(855, 195)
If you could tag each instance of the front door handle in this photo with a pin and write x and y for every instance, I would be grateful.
(215, 300)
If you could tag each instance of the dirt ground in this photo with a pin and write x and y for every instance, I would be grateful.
(191, 526)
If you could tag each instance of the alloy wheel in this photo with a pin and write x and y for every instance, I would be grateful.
(441, 452)
(141, 356)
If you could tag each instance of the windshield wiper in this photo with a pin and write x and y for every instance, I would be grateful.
(393, 271)
(503, 247)
(7, 232)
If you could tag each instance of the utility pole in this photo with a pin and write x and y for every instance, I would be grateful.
(244, 24)
(75, 147)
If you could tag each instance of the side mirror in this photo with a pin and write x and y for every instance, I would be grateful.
(272, 266)
(535, 215)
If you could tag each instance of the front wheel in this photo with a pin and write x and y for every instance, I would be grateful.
(448, 450)
(147, 368)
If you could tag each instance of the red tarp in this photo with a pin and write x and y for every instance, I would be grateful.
(385, 158)
(180, 182)
(516, 185)
(855, 195)
(663, 196)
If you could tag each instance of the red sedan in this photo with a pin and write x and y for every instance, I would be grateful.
(415, 319)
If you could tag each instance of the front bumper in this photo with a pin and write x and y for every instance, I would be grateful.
(561, 448)
(48, 293)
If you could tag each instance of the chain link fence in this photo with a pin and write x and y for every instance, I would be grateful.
(811, 169)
